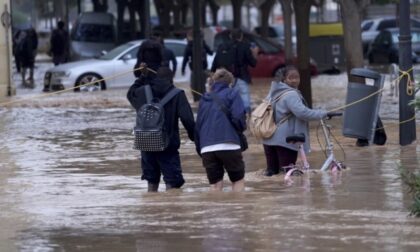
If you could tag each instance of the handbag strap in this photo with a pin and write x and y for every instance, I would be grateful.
(223, 108)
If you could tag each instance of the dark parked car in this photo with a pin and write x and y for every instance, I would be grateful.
(384, 48)
(372, 27)
(271, 57)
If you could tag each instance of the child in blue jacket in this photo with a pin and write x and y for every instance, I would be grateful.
(216, 132)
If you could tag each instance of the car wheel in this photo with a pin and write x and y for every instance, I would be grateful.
(279, 71)
(89, 78)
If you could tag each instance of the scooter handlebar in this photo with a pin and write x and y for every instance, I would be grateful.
(333, 114)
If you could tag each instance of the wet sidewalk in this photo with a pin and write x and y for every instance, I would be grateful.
(70, 181)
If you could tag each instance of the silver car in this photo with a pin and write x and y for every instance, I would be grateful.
(115, 68)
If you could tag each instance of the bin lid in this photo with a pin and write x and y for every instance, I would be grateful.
(325, 29)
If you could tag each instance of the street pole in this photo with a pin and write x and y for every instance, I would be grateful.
(197, 72)
(407, 126)
(5, 49)
(79, 6)
(147, 19)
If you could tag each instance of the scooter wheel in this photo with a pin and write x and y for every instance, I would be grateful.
(297, 173)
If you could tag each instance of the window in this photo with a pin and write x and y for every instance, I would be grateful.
(366, 25)
(177, 48)
(391, 23)
(266, 46)
(133, 53)
(118, 50)
(415, 37)
(93, 33)
(415, 23)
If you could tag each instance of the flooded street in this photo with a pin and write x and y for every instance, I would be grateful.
(70, 181)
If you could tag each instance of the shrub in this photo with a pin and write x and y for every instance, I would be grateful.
(412, 181)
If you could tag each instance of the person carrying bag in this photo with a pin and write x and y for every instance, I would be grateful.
(219, 131)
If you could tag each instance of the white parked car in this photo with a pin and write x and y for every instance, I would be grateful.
(115, 67)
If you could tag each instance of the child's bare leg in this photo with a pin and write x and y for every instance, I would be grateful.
(238, 186)
(217, 186)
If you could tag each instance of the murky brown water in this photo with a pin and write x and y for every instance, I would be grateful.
(69, 181)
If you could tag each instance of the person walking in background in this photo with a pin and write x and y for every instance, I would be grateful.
(236, 56)
(220, 116)
(277, 151)
(27, 50)
(18, 38)
(59, 42)
(166, 162)
(168, 55)
(188, 59)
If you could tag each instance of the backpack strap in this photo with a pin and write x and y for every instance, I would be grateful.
(273, 105)
(149, 94)
(171, 94)
(281, 95)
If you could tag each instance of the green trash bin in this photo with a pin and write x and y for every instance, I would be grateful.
(326, 46)
(360, 119)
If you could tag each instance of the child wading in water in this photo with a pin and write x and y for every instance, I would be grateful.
(278, 153)
(221, 115)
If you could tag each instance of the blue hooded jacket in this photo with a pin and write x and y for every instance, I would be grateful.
(212, 125)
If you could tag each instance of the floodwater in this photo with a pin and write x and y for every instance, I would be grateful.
(69, 181)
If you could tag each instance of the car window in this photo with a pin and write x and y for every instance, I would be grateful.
(378, 38)
(265, 46)
(415, 23)
(366, 25)
(117, 51)
(132, 53)
(93, 33)
(395, 37)
(272, 33)
(384, 37)
(391, 23)
(415, 37)
(177, 48)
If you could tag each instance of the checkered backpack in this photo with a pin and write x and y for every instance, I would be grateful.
(150, 133)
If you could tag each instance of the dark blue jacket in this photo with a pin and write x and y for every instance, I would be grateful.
(212, 125)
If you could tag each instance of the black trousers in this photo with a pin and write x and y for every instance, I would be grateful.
(277, 157)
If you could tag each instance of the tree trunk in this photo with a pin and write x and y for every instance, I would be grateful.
(351, 14)
(100, 5)
(133, 23)
(177, 15)
(185, 5)
(138, 5)
(203, 13)
(237, 13)
(286, 6)
(121, 4)
(302, 8)
(214, 7)
(265, 9)
(163, 9)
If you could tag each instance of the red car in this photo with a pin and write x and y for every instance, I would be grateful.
(270, 59)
